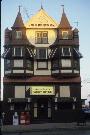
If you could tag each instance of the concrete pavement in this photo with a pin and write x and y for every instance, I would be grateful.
(42, 127)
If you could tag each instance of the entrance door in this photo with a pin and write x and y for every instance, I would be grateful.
(42, 108)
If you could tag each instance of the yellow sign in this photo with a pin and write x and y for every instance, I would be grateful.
(41, 90)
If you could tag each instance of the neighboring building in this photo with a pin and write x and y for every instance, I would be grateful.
(42, 69)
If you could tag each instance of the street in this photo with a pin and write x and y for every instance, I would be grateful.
(54, 132)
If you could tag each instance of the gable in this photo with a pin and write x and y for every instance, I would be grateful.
(41, 20)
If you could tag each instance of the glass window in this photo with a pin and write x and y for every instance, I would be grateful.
(65, 34)
(42, 64)
(66, 62)
(64, 91)
(17, 51)
(41, 37)
(18, 34)
(41, 53)
(66, 51)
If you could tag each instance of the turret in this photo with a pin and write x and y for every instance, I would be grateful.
(7, 36)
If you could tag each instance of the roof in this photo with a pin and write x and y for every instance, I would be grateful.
(64, 23)
(18, 21)
(41, 20)
(43, 79)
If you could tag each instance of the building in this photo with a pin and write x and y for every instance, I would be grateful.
(42, 69)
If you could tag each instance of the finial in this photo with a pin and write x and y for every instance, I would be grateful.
(41, 5)
(63, 8)
(19, 8)
(76, 23)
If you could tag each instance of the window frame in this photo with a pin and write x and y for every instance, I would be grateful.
(65, 36)
(38, 54)
(41, 37)
(42, 68)
(18, 34)
(63, 51)
(21, 51)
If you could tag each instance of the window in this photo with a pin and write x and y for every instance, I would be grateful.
(18, 63)
(42, 65)
(41, 53)
(19, 91)
(66, 63)
(65, 34)
(41, 37)
(64, 91)
(17, 51)
(18, 34)
(66, 51)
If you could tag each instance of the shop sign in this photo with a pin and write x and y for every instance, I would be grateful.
(42, 90)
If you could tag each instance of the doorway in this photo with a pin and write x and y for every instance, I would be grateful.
(42, 108)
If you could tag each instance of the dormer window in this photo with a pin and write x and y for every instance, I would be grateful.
(18, 34)
(65, 34)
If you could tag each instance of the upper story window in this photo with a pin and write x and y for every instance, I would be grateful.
(66, 51)
(41, 53)
(18, 34)
(17, 51)
(41, 37)
(65, 34)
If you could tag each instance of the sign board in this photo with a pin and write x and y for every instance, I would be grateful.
(42, 90)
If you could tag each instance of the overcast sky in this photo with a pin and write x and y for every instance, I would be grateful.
(76, 10)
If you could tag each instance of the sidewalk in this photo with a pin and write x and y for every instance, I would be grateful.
(40, 127)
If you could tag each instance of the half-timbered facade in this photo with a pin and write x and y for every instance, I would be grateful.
(42, 69)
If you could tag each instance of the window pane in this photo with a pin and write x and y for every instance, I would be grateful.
(64, 91)
(41, 37)
(42, 64)
(66, 63)
(18, 34)
(65, 34)
(39, 40)
(66, 51)
(41, 53)
(18, 51)
(44, 40)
